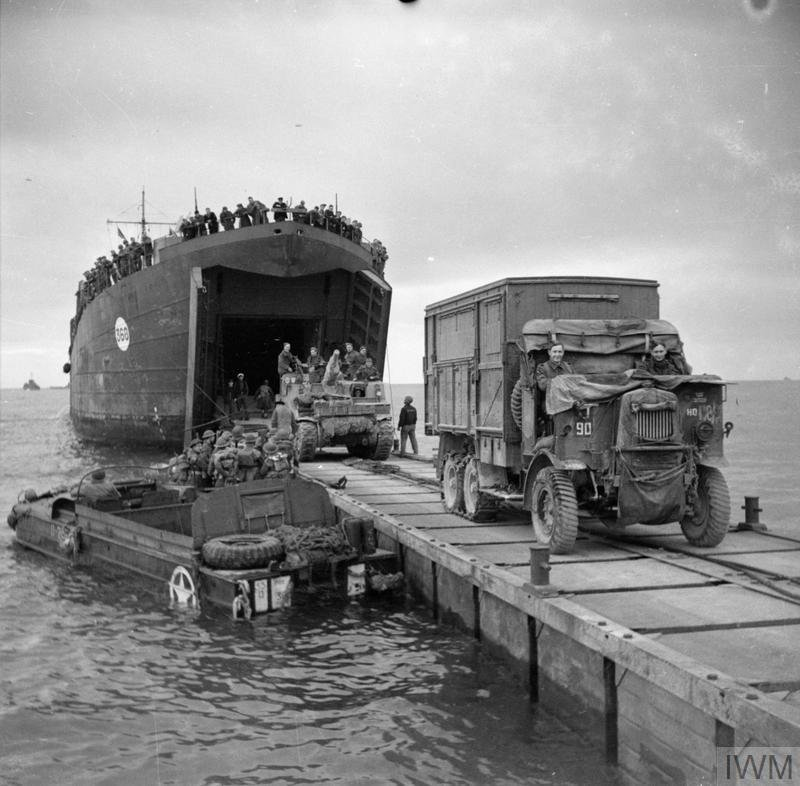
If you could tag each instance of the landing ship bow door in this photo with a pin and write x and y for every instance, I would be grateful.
(191, 352)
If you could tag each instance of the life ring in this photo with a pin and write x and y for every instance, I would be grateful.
(181, 587)
(232, 552)
(240, 607)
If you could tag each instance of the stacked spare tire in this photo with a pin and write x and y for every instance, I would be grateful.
(242, 551)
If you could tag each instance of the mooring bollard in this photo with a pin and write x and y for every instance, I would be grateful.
(540, 565)
(751, 511)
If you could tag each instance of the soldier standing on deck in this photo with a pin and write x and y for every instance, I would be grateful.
(284, 427)
(211, 221)
(242, 214)
(264, 398)
(147, 249)
(257, 210)
(300, 213)
(408, 425)
(240, 392)
(227, 219)
(279, 209)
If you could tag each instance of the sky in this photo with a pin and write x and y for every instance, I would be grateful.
(478, 139)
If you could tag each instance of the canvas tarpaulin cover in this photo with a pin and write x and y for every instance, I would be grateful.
(569, 389)
(650, 497)
(601, 336)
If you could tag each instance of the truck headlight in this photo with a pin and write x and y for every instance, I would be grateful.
(704, 431)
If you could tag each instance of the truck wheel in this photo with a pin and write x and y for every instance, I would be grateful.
(554, 510)
(306, 441)
(453, 486)
(385, 441)
(477, 506)
(708, 524)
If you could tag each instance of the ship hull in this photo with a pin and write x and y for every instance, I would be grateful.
(152, 354)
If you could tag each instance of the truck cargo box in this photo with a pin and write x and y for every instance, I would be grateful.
(471, 355)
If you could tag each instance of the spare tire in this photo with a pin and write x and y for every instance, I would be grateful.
(241, 552)
(516, 404)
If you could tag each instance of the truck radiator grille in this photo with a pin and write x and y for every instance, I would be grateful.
(654, 425)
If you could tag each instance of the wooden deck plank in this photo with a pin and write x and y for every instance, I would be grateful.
(623, 575)
(754, 655)
(406, 496)
(675, 608)
(734, 543)
(472, 534)
(778, 563)
(407, 507)
(514, 554)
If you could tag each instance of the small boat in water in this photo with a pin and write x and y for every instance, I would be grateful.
(244, 547)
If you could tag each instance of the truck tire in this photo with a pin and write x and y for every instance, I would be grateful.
(240, 552)
(306, 441)
(554, 510)
(477, 506)
(708, 524)
(383, 448)
(453, 486)
(516, 404)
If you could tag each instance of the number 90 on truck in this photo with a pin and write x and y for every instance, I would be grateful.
(610, 439)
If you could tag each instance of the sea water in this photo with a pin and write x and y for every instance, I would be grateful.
(104, 683)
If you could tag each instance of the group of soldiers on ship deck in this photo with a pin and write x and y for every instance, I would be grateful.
(323, 216)
(133, 255)
(129, 257)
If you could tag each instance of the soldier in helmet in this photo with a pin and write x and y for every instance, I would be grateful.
(98, 488)
(407, 424)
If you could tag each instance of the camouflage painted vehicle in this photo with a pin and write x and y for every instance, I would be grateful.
(354, 414)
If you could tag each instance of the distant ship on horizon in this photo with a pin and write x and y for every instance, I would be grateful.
(31, 384)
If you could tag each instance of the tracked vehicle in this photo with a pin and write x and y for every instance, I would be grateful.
(609, 440)
(350, 413)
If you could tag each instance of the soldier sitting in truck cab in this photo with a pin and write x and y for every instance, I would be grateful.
(659, 362)
(553, 367)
